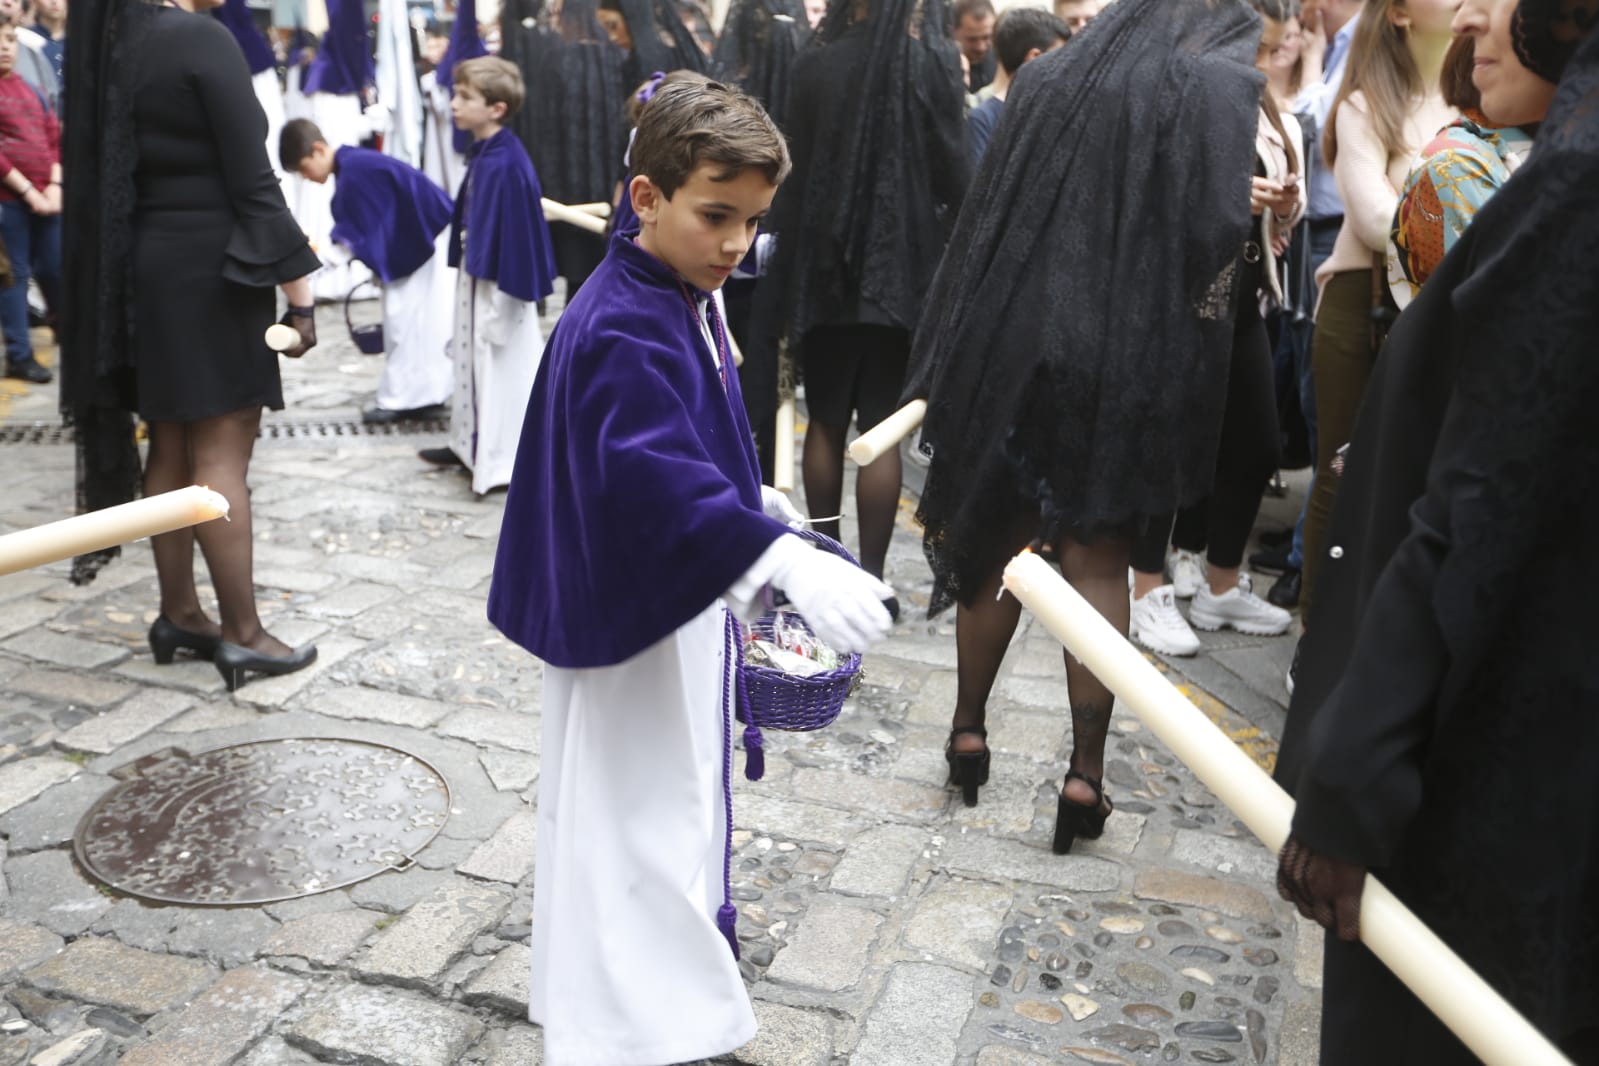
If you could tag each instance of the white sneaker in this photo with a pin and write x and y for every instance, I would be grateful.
(1187, 572)
(1240, 609)
(1158, 625)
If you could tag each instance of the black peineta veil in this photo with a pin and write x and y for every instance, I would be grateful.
(756, 50)
(1074, 351)
(661, 41)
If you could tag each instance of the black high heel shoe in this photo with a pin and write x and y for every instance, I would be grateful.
(1073, 820)
(167, 637)
(235, 660)
(968, 769)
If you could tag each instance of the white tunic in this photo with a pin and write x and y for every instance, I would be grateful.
(440, 160)
(495, 350)
(269, 94)
(418, 318)
(339, 118)
(629, 967)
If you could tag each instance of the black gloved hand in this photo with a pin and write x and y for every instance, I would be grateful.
(303, 321)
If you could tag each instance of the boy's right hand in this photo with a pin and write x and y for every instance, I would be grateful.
(839, 600)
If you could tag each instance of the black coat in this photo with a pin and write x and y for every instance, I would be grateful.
(1445, 728)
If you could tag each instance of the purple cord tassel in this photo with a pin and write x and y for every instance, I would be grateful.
(727, 922)
(754, 753)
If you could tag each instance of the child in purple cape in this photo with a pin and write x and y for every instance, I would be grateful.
(635, 522)
(394, 219)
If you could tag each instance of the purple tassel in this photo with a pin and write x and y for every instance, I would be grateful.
(727, 922)
(754, 753)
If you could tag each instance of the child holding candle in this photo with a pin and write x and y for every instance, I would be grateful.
(499, 240)
(635, 522)
(393, 219)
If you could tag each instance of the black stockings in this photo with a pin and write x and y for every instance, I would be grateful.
(877, 488)
(984, 629)
(214, 452)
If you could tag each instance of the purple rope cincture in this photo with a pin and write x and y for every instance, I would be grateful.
(727, 914)
(754, 742)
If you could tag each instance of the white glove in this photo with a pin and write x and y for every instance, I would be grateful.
(840, 601)
(776, 505)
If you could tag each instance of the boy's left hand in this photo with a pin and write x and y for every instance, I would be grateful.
(776, 505)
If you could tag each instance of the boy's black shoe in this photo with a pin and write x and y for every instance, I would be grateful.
(440, 457)
(379, 416)
(1285, 593)
(29, 370)
(1277, 538)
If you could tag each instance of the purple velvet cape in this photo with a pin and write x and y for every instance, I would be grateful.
(235, 15)
(343, 65)
(508, 241)
(386, 212)
(636, 498)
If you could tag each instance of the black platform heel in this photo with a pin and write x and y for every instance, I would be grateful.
(1073, 820)
(167, 637)
(968, 769)
(234, 661)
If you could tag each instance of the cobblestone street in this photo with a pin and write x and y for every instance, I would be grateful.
(882, 922)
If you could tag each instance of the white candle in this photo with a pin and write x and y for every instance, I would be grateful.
(1489, 1026)
(113, 525)
(281, 338)
(783, 447)
(888, 433)
(598, 210)
(562, 213)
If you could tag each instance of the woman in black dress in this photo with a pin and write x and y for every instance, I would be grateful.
(179, 236)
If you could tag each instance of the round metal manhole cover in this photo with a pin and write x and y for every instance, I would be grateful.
(261, 822)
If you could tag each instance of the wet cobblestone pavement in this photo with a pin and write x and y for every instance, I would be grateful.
(882, 922)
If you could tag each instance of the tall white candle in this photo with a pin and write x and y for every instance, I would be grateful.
(1489, 1026)
(114, 525)
(888, 433)
(559, 212)
(783, 447)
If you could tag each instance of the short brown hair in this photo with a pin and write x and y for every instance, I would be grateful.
(498, 80)
(693, 120)
(1460, 92)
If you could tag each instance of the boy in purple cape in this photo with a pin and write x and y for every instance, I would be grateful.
(635, 523)
(392, 218)
(500, 242)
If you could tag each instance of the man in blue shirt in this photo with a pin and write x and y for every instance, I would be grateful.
(1023, 34)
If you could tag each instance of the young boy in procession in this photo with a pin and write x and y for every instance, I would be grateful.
(499, 240)
(393, 219)
(635, 523)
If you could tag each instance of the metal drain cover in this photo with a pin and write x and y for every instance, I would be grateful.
(261, 822)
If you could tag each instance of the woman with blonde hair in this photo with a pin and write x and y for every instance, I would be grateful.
(1389, 106)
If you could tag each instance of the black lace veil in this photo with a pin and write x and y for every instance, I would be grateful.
(1547, 33)
(1075, 350)
(877, 130)
(99, 153)
(756, 50)
(661, 40)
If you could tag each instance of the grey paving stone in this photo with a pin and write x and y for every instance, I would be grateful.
(1123, 831)
(1310, 943)
(420, 947)
(23, 945)
(49, 820)
(101, 971)
(509, 771)
(69, 687)
(62, 650)
(48, 890)
(227, 936)
(507, 855)
(980, 855)
(830, 950)
(217, 1027)
(788, 1037)
(1001, 1055)
(398, 890)
(274, 1051)
(138, 924)
(26, 778)
(349, 601)
(213, 716)
(376, 705)
(20, 617)
(446, 853)
(877, 795)
(782, 817)
(879, 861)
(190, 675)
(1177, 886)
(956, 921)
(291, 580)
(383, 1027)
(502, 985)
(486, 725)
(521, 1046)
(1226, 855)
(79, 1049)
(918, 1018)
(325, 939)
(1299, 1039)
(129, 720)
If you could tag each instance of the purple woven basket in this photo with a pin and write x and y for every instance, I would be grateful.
(772, 699)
